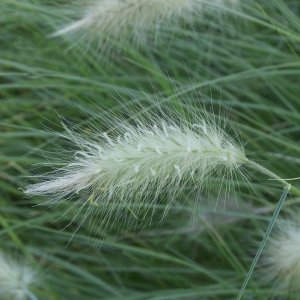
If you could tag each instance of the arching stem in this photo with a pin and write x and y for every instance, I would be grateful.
(267, 172)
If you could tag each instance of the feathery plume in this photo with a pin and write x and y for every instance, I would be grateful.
(16, 279)
(141, 161)
(115, 20)
(281, 262)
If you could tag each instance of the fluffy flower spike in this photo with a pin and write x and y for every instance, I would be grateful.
(16, 279)
(137, 162)
(115, 20)
(282, 258)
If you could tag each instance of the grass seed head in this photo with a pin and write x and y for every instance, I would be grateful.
(140, 161)
(16, 279)
(282, 258)
(135, 20)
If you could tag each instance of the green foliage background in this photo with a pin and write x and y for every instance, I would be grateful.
(245, 59)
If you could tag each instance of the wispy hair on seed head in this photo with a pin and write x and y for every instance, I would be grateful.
(124, 172)
(16, 279)
(281, 263)
(137, 21)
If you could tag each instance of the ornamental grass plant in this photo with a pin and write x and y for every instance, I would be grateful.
(146, 109)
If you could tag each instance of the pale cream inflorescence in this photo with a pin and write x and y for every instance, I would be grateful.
(16, 279)
(282, 258)
(144, 160)
(133, 19)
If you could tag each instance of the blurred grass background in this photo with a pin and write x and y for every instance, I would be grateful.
(246, 60)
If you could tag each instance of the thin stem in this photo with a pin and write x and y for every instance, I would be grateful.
(264, 241)
(266, 171)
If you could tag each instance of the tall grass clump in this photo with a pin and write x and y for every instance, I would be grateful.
(246, 59)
